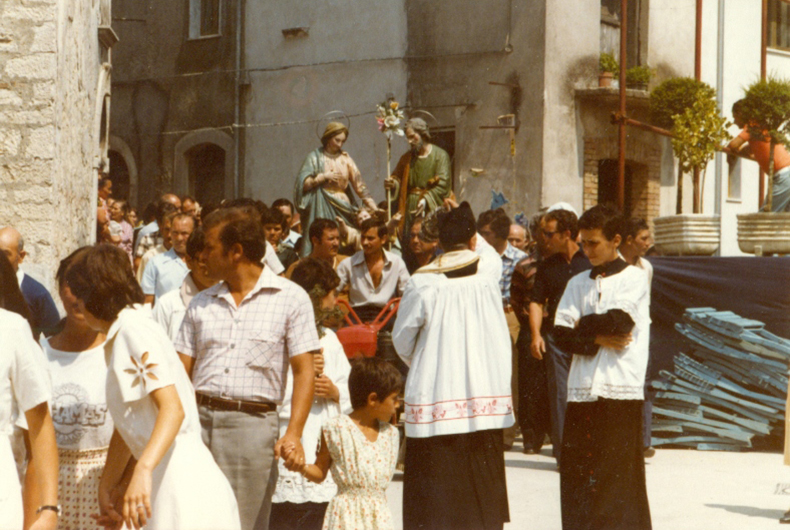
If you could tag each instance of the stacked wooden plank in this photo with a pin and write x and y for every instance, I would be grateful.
(728, 391)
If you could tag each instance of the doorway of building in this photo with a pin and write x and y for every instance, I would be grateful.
(607, 184)
(445, 138)
(206, 167)
(119, 175)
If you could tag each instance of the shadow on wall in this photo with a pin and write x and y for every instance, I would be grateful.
(751, 511)
(582, 73)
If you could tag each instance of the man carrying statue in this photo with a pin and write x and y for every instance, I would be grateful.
(422, 179)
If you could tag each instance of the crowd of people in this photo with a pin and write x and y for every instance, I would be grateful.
(196, 380)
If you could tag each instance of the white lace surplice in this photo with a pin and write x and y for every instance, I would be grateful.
(453, 334)
(610, 373)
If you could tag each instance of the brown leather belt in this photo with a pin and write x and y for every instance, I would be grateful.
(249, 407)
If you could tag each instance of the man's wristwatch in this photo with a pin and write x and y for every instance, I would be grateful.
(54, 508)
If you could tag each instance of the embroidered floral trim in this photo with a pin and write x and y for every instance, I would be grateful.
(459, 409)
(606, 391)
(142, 370)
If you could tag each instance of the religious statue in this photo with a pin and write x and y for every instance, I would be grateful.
(422, 178)
(323, 189)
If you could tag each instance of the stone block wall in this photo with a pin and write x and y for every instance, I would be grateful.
(645, 162)
(51, 77)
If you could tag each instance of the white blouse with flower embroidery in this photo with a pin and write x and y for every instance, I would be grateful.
(188, 489)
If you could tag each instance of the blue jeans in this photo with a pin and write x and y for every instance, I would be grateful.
(557, 368)
(780, 197)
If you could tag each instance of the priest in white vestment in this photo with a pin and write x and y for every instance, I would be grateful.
(453, 335)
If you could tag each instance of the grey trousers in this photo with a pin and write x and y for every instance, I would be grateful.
(243, 447)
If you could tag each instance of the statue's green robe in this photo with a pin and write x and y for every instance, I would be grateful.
(429, 178)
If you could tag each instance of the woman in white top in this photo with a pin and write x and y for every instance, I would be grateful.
(175, 482)
(299, 504)
(24, 389)
(83, 427)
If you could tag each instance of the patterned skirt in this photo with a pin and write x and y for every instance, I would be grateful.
(78, 487)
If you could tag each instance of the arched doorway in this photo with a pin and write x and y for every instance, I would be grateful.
(119, 174)
(206, 169)
(205, 166)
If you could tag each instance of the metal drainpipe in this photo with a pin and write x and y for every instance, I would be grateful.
(237, 110)
(621, 139)
(720, 101)
(697, 199)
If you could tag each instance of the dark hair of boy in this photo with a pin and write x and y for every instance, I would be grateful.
(372, 376)
(497, 220)
(274, 216)
(310, 273)
(634, 225)
(603, 218)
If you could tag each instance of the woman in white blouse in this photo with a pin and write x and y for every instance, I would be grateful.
(24, 390)
(175, 482)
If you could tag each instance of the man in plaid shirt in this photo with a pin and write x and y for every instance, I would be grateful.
(236, 342)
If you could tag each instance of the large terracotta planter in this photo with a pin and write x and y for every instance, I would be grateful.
(764, 233)
(687, 234)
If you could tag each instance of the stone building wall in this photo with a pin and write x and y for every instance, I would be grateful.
(50, 149)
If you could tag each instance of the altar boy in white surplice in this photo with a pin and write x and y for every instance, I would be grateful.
(453, 335)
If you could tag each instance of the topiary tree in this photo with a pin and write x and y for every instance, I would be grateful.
(699, 132)
(673, 98)
(766, 110)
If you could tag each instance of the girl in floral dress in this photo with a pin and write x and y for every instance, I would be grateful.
(361, 449)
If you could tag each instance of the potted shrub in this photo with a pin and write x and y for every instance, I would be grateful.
(688, 107)
(766, 111)
(637, 77)
(607, 66)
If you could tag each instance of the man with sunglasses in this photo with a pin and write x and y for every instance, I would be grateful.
(563, 259)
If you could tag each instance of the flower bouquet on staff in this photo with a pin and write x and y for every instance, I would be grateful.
(389, 118)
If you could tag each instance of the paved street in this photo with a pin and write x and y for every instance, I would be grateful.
(688, 490)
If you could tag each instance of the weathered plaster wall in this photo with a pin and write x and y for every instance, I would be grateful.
(49, 128)
(455, 50)
(350, 60)
(741, 47)
(166, 86)
(572, 51)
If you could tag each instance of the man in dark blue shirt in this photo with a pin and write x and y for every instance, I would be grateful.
(564, 259)
(44, 314)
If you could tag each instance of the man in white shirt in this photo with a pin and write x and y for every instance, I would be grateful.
(170, 309)
(452, 332)
(636, 243)
(373, 276)
(603, 319)
(166, 272)
(165, 213)
(236, 342)
(324, 238)
(290, 238)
